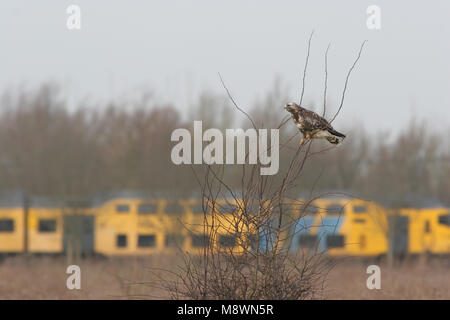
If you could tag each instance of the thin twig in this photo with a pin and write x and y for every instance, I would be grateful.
(305, 68)
(346, 80)
(234, 102)
(326, 82)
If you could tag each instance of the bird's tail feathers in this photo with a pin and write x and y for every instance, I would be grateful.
(336, 133)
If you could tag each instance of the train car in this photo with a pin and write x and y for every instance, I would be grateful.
(341, 227)
(54, 227)
(45, 230)
(129, 226)
(140, 225)
(425, 230)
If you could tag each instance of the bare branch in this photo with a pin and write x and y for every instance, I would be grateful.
(346, 80)
(305, 68)
(326, 82)
(234, 102)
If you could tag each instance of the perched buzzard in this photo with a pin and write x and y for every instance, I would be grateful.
(313, 126)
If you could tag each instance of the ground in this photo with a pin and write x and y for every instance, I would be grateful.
(45, 278)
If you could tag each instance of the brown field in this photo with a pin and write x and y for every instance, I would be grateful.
(44, 278)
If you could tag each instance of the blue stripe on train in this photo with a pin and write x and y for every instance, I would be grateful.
(303, 226)
(327, 226)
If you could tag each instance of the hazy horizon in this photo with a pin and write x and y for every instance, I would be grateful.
(176, 50)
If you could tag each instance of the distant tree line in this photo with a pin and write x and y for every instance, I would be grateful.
(49, 149)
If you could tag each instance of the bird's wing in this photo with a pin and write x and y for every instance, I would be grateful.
(315, 121)
(318, 122)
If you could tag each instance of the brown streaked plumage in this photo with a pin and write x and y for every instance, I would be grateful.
(313, 126)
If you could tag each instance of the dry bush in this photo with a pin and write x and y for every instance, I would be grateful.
(259, 264)
(261, 217)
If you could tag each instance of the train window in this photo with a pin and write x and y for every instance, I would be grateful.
(227, 208)
(173, 208)
(444, 219)
(6, 225)
(310, 209)
(360, 209)
(121, 241)
(359, 220)
(307, 240)
(227, 241)
(335, 241)
(335, 209)
(197, 209)
(199, 241)
(174, 240)
(147, 208)
(122, 208)
(47, 225)
(146, 240)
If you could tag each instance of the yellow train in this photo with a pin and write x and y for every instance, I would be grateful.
(342, 227)
(121, 225)
(422, 231)
(128, 225)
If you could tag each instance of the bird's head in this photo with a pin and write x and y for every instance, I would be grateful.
(291, 107)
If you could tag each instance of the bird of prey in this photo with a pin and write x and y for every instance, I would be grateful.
(313, 126)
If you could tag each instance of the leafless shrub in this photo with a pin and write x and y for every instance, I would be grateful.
(258, 218)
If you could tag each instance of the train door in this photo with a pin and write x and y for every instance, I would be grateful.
(79, 233)
(399, 235)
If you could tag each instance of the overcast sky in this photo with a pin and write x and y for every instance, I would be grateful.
(177, 47)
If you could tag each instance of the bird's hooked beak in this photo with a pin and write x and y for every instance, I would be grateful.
(291, 107)
(288, 107)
